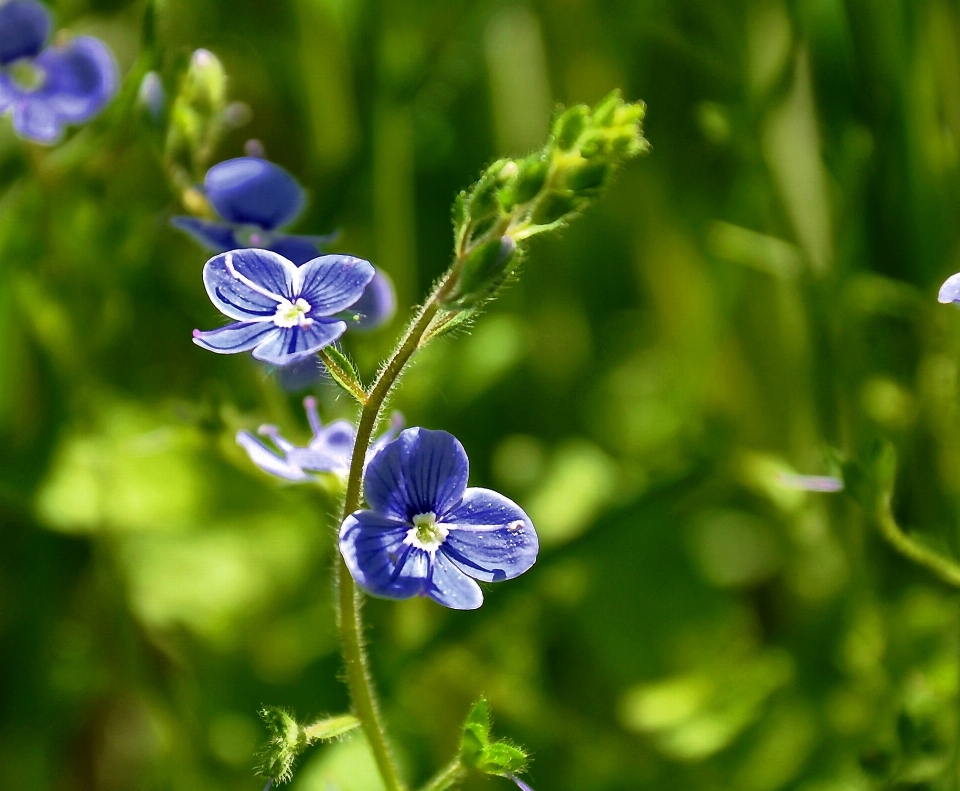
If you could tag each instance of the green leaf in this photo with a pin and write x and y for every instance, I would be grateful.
(331, 728)
(476, 734)
(341, 370)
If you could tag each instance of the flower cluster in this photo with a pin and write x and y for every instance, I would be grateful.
(43, 87)
(255, 200)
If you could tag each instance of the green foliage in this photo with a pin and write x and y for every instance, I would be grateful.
(479, 752)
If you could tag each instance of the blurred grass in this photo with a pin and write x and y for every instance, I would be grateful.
(757, 292)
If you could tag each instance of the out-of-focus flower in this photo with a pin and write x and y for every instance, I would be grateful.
(520, 784)
(45, 88)
(151, 95)
(255, 199)
(329, 450)
(426, 533)
(283, 312)
(810, 483)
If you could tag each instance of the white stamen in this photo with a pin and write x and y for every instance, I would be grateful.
(426, 534)
(291, 314)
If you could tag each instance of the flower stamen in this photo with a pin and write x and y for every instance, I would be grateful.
(426, 534)
(292, 314)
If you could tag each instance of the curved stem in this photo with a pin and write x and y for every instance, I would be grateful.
(945, 569)
(359, 681)
(447, 777)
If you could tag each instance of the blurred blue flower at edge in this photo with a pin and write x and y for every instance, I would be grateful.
(426, 533)
(255, 199)
(45, 88)
(283, 313)
(329, 450)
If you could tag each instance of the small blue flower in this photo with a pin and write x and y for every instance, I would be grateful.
(329, 450)
(45, 88)
(426, 533)
(256, 199)
(283, 312)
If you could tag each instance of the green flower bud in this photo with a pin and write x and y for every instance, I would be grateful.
(485, 268)
(554, 207)
(570, 125)
(476, 734)
(588, 176)
(531, 176)
(205, 86)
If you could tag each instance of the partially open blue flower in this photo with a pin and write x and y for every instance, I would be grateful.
(426, 533)
(255, 200)
(329, 450)
(283, 312)
(46, 88)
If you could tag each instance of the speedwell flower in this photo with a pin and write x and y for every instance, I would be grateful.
(329, 450)
(426, 533)
(283, 312)
(255, 200)
(45, 88)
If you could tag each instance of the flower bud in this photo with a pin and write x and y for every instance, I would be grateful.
(206, 82)
(485, 268)
(569, 126)
(151, 95)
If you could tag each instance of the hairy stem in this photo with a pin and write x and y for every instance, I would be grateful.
(447, 777)
(359, 681)
(945, 569)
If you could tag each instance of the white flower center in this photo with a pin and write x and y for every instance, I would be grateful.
(290, 314)
(426, 534)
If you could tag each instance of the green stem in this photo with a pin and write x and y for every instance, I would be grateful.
(447, 777)
(359, 681)
(945, 569)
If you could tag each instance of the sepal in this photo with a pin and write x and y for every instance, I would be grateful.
(480, 753)
(288, 739)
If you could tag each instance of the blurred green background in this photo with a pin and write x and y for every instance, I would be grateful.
(758, 291)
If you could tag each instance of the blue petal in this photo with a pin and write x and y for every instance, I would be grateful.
(950, 290)
(81, 77)
(252, 191)
(267, 460)
(300, 249)
(419, 472)
(490, 537)
(35, 119)
(450, 587)
(377, 304)
(232, 292)
(239, 337)
(24, 29)
(332, 283)
(300, 375)
(378, 559)
(330, 449)
(289, 344)
(214, 236)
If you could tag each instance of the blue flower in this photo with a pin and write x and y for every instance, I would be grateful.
(329, 450)
(45, 88)
(426, 533)
(520, 784)
(255, 200)
(283, 312)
